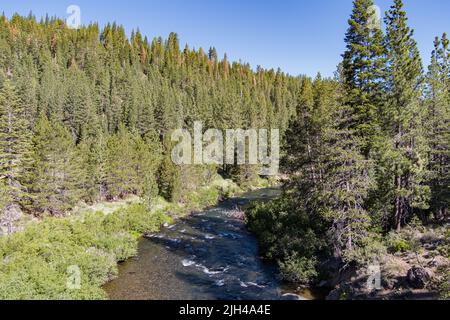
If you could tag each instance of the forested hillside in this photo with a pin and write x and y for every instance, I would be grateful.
(369, 160)
(86, 115)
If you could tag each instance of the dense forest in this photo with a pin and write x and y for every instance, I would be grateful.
(369, 159)
(86, 116)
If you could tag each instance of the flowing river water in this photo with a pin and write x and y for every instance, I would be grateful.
(207, 256)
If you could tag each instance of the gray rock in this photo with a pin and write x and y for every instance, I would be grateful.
(418, 277)
(292, 296)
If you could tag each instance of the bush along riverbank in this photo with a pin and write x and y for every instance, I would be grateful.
(72, 257)
(412, 263)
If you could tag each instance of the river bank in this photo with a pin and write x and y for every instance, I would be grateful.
(412, 263)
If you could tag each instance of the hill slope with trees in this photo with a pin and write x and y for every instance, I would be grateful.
(369, 159)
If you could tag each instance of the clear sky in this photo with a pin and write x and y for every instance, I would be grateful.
(299, 36)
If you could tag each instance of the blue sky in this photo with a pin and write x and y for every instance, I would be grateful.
(299, 36)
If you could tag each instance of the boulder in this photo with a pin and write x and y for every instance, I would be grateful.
(292, 296)
(418, 277)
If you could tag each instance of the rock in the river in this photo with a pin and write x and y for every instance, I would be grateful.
(237, 213)
(292, 296)
(187, 263)
(418, 277)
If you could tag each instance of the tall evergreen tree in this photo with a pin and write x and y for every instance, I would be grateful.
(363, 68)
(346, 183)
(121, 177)
(56, 177)
(404, 158)
(14, 143)
(438, 124)
(331, 177)
(93, 153)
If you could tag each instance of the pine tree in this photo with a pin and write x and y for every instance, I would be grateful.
(93, 154)
(304, 136)
(92, 82)
(14, 143)
(78, 110)
(169, 175)
(331, 178)
(438, 122)
(121, 176)
(345, 186)
(404, 154)
(363, 68)
(55, 178)
(149, 152)
(146, 163)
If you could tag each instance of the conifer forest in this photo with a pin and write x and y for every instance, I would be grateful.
(87, 172)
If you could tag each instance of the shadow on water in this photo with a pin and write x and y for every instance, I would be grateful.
(208, 255)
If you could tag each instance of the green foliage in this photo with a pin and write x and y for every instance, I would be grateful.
(169, 180)
(366, 152)
(438, 132)
(363, 71)
(405, 240)
(300, 270)
(292, 237)
(205, 197)
(444, 283)
(135, 218)
(282, 228)
(55, 177)
(402, 153)
(15, 141)
(398, 245)
(36, 261)
(226, 188)
(358, 151)
(370, 249)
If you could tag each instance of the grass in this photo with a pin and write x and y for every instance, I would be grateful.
(51, 257)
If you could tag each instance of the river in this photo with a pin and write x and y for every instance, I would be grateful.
(207, 256)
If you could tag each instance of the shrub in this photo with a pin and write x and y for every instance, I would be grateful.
(122, 245)
(226, 188)
(370, 249)
(400, 241)
(399, 245)
(300, 270)
(202, 198)
(36, 261)
(281, 227)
